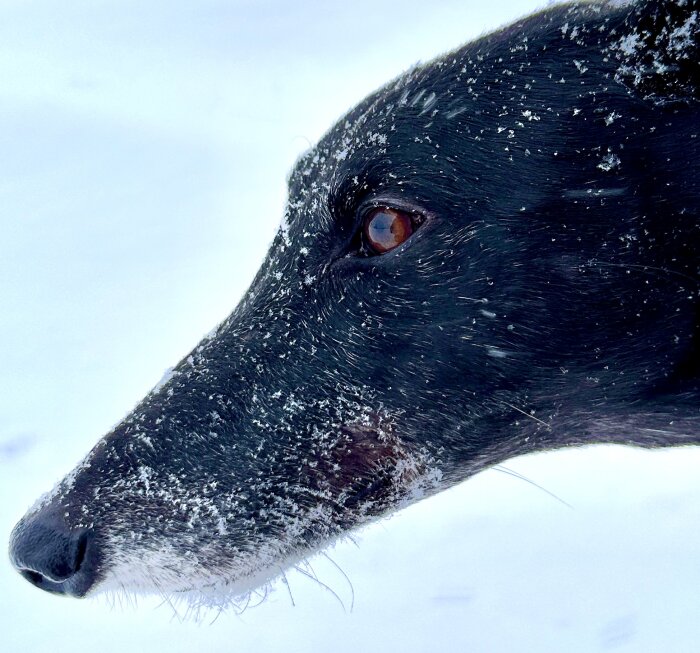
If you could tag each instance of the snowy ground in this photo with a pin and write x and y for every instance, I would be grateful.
(144, 152)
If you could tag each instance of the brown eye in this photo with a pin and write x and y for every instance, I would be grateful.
(385, 229)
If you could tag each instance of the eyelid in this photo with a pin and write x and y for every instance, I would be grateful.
(390, 202)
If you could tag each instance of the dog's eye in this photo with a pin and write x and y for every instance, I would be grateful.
(386, 228)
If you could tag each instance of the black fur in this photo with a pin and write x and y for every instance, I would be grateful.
(549, 298)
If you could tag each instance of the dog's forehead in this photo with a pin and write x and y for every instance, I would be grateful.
(364, 130)
(383, 139)
(462, 88)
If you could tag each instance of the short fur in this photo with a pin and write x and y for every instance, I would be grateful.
(550, 298)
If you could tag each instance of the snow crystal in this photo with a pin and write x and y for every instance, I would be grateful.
(609, 162)
(612, 117)
(167, 375)
(681, 39)
(530, 116)
(629, 44)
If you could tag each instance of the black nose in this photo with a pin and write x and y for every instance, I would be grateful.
(52, 556)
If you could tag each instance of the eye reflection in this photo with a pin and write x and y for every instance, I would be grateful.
(385, 229)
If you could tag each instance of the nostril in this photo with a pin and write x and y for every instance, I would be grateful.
(33, 577)
(80, 551)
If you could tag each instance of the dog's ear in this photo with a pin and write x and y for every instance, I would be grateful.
(658, 49)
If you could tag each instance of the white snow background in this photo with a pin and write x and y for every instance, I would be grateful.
(143, 154)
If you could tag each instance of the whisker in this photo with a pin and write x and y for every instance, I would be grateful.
(166, 599)
(289, 589)
(321, 584)
(345, 576)
(520, 410)
(518, 475)
(261, 596)
(307, 564)
(241, 609)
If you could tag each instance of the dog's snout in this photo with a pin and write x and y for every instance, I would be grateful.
(54, 557)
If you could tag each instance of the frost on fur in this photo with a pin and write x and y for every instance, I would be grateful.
(543, 293)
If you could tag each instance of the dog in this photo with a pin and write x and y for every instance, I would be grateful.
(494, 254)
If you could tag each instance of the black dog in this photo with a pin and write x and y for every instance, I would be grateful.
(497, 253)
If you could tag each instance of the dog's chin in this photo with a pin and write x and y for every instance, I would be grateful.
(216, 574)
(192, 582)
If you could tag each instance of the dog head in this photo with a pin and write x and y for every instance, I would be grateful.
(495, 253)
